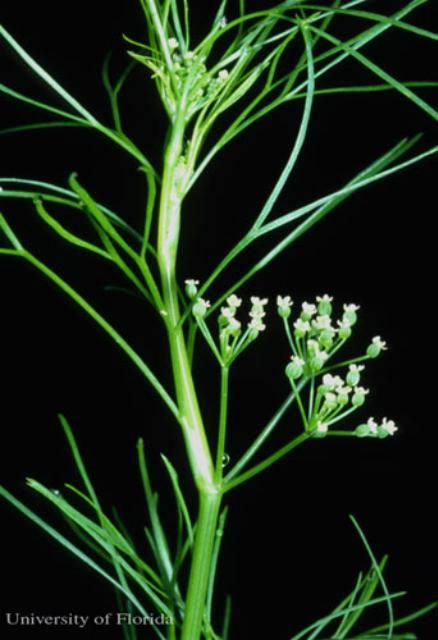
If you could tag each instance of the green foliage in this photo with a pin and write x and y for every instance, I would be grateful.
(245, 67)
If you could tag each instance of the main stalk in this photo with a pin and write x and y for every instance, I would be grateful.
(174, 176)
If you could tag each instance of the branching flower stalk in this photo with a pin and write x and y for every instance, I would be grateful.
(242, 66)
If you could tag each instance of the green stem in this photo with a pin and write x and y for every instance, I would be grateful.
(168, 238)
(197, 446)
(209, 507)
(220, 452)
(265, 464)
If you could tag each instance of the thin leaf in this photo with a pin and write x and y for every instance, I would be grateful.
(70, 195)
(54, 124)
(41, 105)
(100, 535)
(181, 503)
(47, 78)
(9, 233)
(65, 234)
(379, 573)
(65, 543)
(301, 136)
(372, 66)
(406, 619)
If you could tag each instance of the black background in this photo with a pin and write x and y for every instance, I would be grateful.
(290, 552)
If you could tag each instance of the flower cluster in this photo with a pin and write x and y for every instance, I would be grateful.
(373, 429)
(233, 337)
(191, 72)
(314, 338)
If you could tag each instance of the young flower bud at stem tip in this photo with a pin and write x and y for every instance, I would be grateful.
(295, 368)
(284, 304)
(324, 304)
(350, 314)
(353, 375)
(200, 308)
(191, 288)
(376, 347)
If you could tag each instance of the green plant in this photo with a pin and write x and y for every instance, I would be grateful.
(212, 91)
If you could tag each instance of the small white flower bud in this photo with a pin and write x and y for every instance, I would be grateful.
(295, 368)
(344, 330)
(255, 326)
(257, 309)
(301, 327)
(376, 347)
(191, 288)
(359, 396)
(284, 304)
(234, 301)
(330, 400)
(350, 314)
(343, 395)
(367, 429)
(326, 338)
(200, 308)
(173, 44)
(324, 304)
(308, 310)
(318, 360)
(387, 428)
(353, 375)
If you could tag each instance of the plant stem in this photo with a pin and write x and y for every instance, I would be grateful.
(190, 415)
(209, 506)
(168, 239)
(220, 453)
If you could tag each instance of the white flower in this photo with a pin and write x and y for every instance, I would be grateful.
(389, 426)
(332, 382)
(234, 301)
(324, 298)
(302, 326)
(354, 368)
(342, 390)
(308, 309)
(191, 288)
(344, 323)
(173, 44)
(322, 427)
(353, 375)
(223, 75)
(256, 324)
(322, 322)
(223, 22)
(361, 391)
(284, 301)
(255, 300)
(372, 425)
(228, 313)
(351, 307)
(381, 344)
(204, 303)
(233, 325)
(257, 309)
(200, 307)
(330, 398)
(294, 369)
